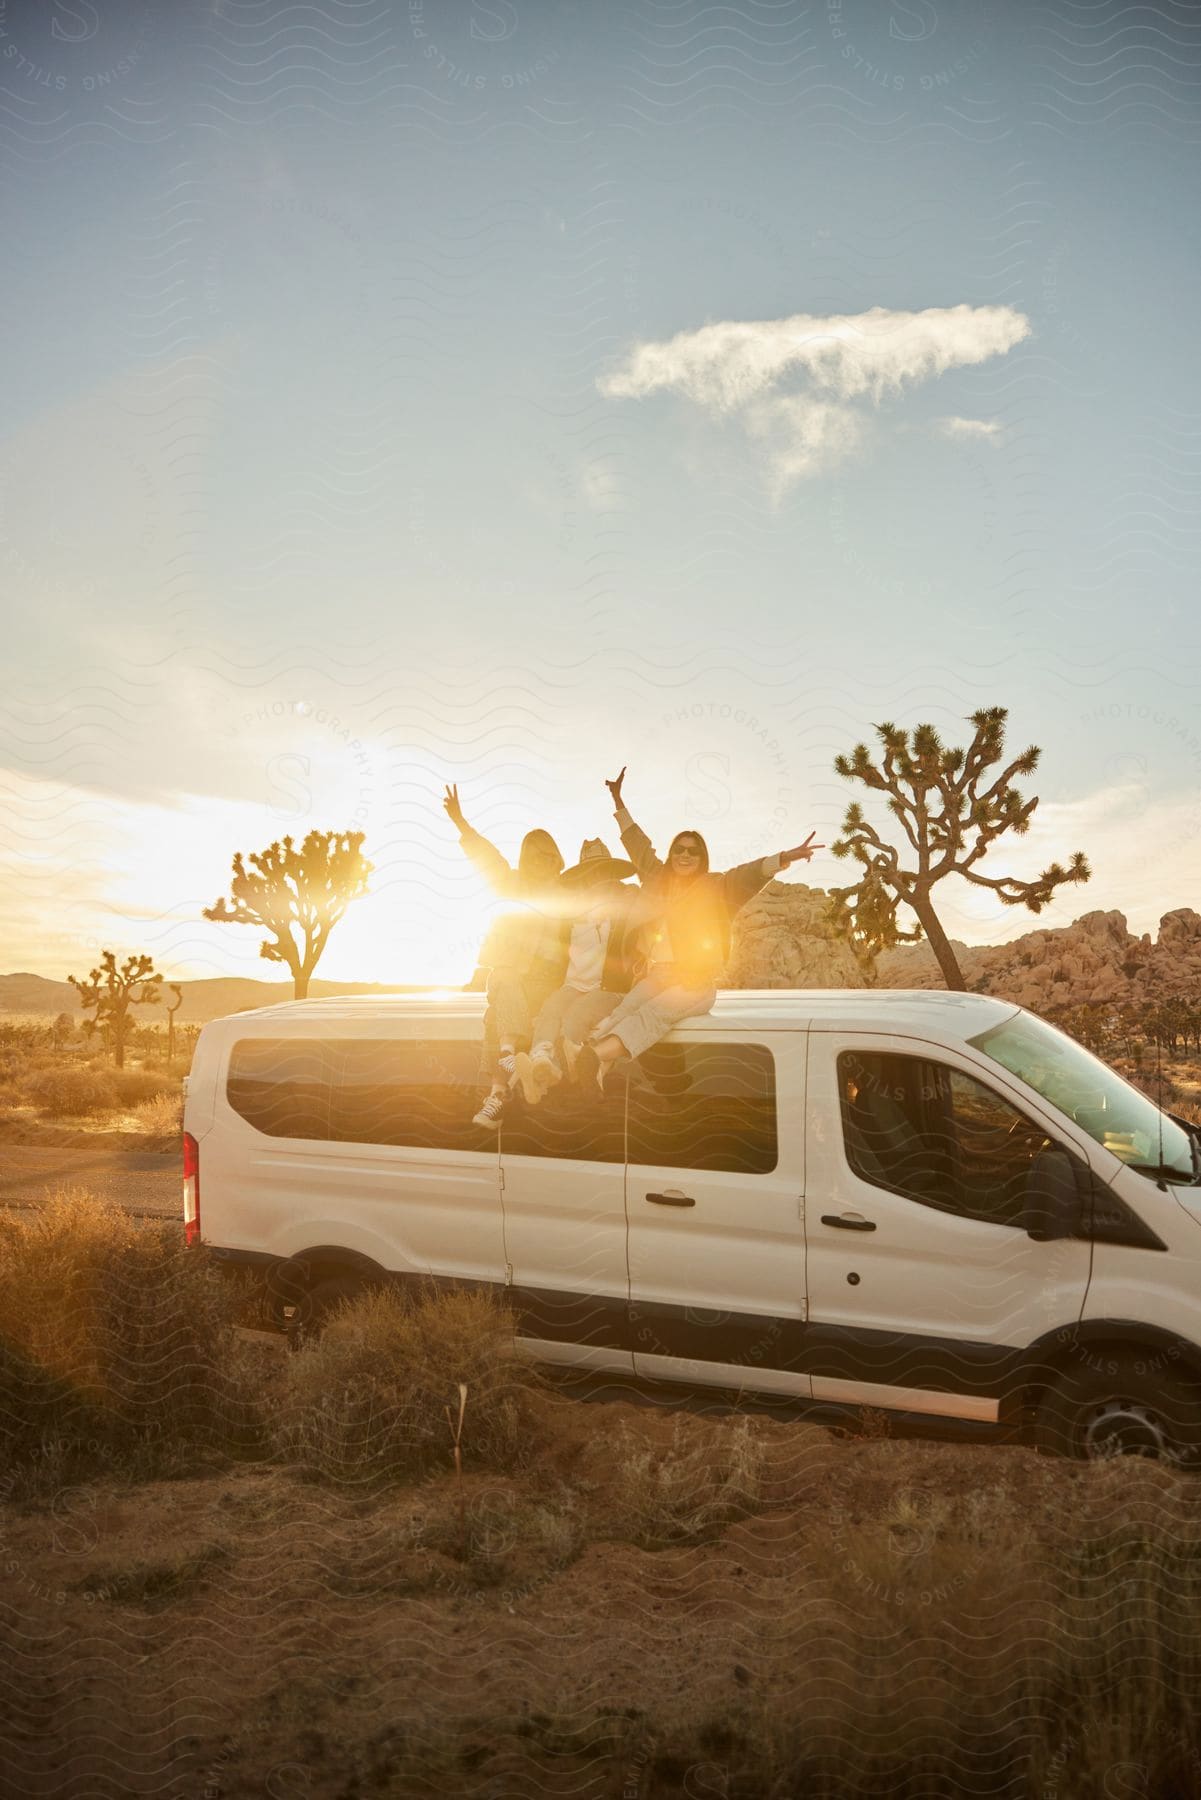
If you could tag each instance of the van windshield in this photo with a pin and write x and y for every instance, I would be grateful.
(1105, 1105)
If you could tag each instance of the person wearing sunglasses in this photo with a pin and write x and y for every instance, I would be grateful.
(687, 942)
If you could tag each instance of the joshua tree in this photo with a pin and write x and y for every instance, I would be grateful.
(171, 1012)
(297, 896)
(108, 991)
(62, 1030)
(951, 805)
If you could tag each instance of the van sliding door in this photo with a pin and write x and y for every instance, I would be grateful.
(715, 1184)
(563, 1201)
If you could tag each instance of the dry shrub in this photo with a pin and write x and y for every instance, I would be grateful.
(162, 1116)
(117, 1342)
(688, 1490)
(64, 1092)
(367, 1401)
(135, 1086)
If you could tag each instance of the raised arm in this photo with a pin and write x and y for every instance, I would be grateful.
(744, 882)
(486, 857)
(638, 846)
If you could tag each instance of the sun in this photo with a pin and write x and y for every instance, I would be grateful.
(401, 934)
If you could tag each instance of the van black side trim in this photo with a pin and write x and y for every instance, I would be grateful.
(901, 1359)
(754, 1340)
(566, 1317)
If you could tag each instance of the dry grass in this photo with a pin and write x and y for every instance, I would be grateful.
(162, 1116)
(367, 1401)
(684, 1491)
(62, 1087)
(117, 1343)
(68, 1092)
(134, 1087)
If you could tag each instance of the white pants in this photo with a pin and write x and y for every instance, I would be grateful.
(652, 1007)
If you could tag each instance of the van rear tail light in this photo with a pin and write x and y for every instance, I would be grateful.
(191, 1189)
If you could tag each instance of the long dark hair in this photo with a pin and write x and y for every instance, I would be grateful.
(704, 856)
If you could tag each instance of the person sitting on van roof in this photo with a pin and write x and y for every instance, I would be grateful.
(525, 952)
(688, 940)
(602, 963)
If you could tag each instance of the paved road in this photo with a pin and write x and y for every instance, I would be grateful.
(141, 1180)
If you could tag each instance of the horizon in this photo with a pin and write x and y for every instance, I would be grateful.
(653, 396)
(321, 977)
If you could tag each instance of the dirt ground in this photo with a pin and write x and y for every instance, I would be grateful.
(252, 1633)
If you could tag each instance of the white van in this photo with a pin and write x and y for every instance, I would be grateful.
(929, 1202)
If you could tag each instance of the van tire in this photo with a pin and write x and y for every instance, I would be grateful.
(1091, 1414)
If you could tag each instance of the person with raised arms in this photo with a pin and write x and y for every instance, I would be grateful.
(687, 940)
(525, 952)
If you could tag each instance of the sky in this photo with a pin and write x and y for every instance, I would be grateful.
(399, 392)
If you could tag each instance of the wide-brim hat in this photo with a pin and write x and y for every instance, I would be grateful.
(596, 864)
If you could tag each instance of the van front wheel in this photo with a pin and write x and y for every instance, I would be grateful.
(1122, 1409)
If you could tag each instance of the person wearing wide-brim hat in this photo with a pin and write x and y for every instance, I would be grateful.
(595, 866)
(602, 964)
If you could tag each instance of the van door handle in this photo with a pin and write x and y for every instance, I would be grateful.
(848, 1222)
(672, 1197)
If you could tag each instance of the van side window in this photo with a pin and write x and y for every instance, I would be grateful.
(407, 1092)
(283, 1086)
(936, 1135)
(574, 1122)
(708, 1106)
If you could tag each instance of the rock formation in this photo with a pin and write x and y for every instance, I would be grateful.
(782, 940)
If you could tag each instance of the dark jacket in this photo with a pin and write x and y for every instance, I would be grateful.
(697, 914)
(531, 939)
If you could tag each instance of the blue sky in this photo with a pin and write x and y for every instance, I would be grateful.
(324, 476)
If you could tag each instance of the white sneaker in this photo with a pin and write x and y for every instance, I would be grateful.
(491, 1112)
(507, 1064)
(524, 1073)
(545, 1069)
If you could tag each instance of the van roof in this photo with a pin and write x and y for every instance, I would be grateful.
(745, 1009)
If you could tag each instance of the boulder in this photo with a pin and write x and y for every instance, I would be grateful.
(782, 939)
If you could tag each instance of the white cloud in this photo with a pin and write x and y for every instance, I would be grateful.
(969, 428)
(740, 367)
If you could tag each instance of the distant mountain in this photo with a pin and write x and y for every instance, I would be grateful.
(202, 1000)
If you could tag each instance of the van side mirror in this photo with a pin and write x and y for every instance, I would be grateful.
(1053, 1208)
